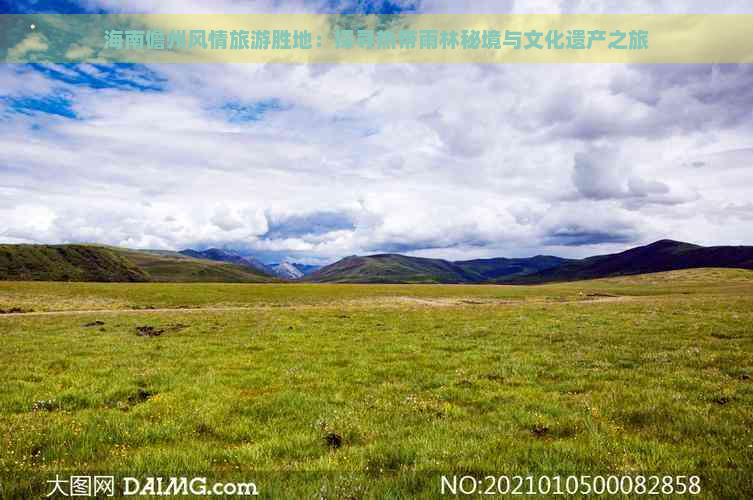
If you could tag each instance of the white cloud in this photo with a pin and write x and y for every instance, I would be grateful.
(77, 52)
(23, 50)
(440, 160)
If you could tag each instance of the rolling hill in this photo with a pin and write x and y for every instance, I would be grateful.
(663, 255)
(220, 255)
(102, 263)
(66, 263)
(174, 267)
(289, 271)
(394, 268)
(501, 268)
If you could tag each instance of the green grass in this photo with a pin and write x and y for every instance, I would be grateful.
(54, 296)
(648, 374)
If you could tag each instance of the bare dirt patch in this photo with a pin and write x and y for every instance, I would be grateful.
(16, 310)
(149, 331)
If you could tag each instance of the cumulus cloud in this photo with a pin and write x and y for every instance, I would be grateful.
(596, 175)
(25, 49)
(601, 174)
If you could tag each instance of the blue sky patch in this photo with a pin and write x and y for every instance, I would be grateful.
(316, 223)
(53, 105)
(372, 7)
(123, 76)
(236, 112)
(332, 6)
(45, 7)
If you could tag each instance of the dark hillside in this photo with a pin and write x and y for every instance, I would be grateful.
(663, 255)
(66, 263)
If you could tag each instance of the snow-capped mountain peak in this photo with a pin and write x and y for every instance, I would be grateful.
(287, 270)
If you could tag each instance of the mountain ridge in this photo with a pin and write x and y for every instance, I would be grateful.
(88, 262)
(397, 268)
(219, 255)
(286, 270)
(661, 255)
(81, 262)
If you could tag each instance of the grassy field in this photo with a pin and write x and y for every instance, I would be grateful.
(369, 391)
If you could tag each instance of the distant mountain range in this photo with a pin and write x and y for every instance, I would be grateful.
(101, 263)
(394, 268)
(225, 256)
(285, 270)
(664, 255)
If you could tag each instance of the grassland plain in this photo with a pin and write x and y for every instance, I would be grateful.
(369, 391)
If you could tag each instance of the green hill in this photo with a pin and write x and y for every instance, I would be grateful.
(101, 263)
(501, 268)
(393, 268)
(662, 255)
(174, 267)
(66, 263)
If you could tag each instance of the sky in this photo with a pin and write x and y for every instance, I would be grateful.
(316, 162)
